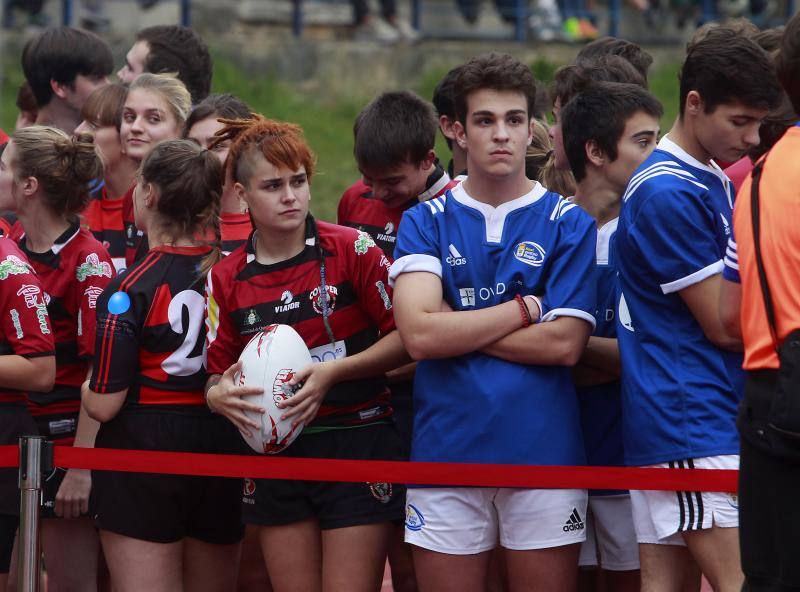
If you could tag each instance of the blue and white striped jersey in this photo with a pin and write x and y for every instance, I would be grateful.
(476, 407)
(680, 392)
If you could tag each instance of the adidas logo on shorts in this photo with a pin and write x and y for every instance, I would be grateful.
(574, 521)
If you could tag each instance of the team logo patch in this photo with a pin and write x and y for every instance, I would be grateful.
(281, 389)
(252, 317)
(414, 518)
(387, 302)
(381, 492)
(15, 321)
(363, 243)
(92, 293)
(13, 265)
(455, 258)
(287, 302)
(529, 253)
(249, 487)
(93, 266)
(733, 501)
(574, 522)
(316, 298)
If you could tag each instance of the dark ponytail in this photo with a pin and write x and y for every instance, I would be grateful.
(189, 182)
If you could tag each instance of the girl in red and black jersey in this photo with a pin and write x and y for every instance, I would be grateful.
(27, 362)
(202, 125)
(164, 532)
(51, 175)
(103, 214)
(155, 109)
(330, 283)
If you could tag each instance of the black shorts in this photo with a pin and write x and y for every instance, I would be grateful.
(58, 428)
(402, 403)
(769, 487)
(274, 502)
(168, 508)
(15, 422)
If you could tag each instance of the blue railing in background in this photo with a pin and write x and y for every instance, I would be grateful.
(521, 14)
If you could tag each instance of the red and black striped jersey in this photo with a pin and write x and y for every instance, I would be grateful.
(73, 273)
(359, 209)
(244, 296)
(135, 240)
(103, 218)
(150, 330)
(7, 221)
(24, 320)
(234, 229)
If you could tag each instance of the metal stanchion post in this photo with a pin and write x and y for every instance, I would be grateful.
(35, 457)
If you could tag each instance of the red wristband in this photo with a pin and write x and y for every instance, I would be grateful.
(523, 309)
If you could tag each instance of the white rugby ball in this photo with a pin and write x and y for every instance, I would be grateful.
(270, 360)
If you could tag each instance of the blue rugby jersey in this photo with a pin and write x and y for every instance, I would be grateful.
(679, 391)
(476, 407)
(601, 405)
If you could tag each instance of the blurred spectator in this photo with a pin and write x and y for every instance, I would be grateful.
(386, 29)
(33, 8)
(26, 103)
(63, 66)
(171, 49)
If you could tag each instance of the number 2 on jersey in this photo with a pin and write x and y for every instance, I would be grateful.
(179, 363)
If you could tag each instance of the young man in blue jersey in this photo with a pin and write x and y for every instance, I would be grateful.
(682, 378)
(493, 383)
(608, 130)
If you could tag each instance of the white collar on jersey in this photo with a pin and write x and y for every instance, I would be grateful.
(495, 218)
(436, 188)
(604, 234)
(668, 145)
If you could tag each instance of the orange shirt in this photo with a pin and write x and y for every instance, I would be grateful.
(780, 248)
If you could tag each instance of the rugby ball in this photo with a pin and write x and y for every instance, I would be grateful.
(270, 360)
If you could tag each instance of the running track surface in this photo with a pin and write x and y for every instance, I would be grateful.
(387, 582)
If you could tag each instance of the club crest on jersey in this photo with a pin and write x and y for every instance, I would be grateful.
(529, 253)
(316, 299)
(15, 321)
(414, 518)
(92, 293)
(363, 243)
(287, 298)
(381, 492)
(249, 487)
(252, 317)
(93, 266)
(387, 302)
(31, 295)
(281, 389)
(13, 265)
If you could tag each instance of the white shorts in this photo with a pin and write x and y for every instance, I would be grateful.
(468, 520)
(661, 516)
(610, 536)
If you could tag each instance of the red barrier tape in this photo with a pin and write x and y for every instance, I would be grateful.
(421, 473)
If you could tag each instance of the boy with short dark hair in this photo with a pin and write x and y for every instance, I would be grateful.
(605, 46)
(609, 129)
(493, 384)
(394, 137)
(446, 111)
(171, 48)
(63, 66)
(683, 379)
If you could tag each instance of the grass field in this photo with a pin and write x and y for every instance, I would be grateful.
(328, 120)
